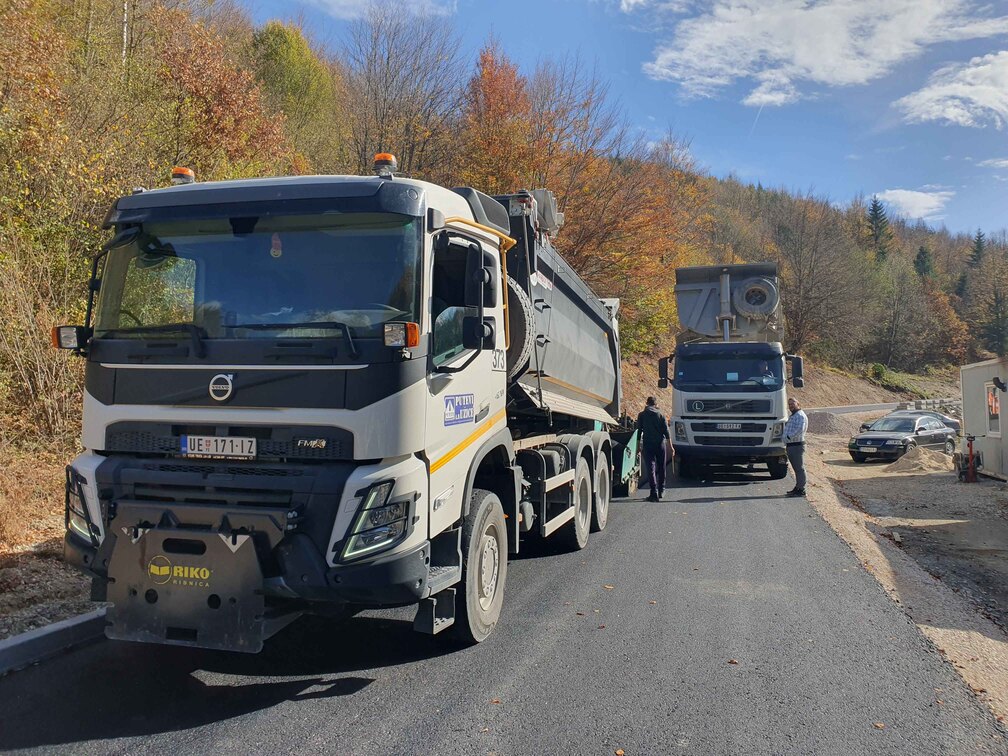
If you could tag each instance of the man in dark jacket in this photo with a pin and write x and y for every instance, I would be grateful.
(654, 441)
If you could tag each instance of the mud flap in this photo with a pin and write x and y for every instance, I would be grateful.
(190, 575)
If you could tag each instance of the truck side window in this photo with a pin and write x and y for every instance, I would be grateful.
(448, 304)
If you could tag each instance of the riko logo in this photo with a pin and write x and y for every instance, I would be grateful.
(161, 572)
(222, 386)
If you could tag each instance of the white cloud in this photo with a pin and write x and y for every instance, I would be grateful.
(925, 205)
(994, 163)
(782, 44)
(969, 94)
(353, 9)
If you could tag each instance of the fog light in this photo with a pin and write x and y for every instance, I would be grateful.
(778, 430)
(680, 431)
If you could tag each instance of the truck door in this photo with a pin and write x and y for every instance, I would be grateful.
(466, 405)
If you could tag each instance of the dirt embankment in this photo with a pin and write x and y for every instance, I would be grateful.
(939, 547)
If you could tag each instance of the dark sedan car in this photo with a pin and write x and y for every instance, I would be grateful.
(894, 435)
(950, 421)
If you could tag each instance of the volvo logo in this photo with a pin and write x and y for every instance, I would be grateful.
(697, 406)
(221, 386)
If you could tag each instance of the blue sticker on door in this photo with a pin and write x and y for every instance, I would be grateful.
(459, 409)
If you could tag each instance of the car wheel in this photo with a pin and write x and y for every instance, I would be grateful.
(910, 445)
(950, 446)
(859, 458)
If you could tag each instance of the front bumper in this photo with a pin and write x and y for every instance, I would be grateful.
(728, 455)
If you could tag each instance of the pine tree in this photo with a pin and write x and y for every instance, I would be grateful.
(881, 233)
(994, 328)
(924, 262)
(978, 249)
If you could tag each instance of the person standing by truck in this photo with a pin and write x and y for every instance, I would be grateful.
(794, 440)
(655, 440)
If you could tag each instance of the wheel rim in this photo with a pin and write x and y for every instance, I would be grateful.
(584, 503)
(489, 569)
(602, 499)
(950, 447)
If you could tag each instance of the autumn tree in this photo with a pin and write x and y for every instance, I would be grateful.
(496, 125)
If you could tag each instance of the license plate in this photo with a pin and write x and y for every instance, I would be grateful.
(227, 447)
(729, 426)
(867, 449)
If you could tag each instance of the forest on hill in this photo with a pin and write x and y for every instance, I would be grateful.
(100, 96)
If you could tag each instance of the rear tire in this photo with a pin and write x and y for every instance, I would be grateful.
(484, 568)
(575, 534)
(603, 493)
(778, 469)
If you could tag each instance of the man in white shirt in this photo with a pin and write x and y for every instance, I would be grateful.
(794, 441)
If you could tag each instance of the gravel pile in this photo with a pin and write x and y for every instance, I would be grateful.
(921, 460)
(828, 424)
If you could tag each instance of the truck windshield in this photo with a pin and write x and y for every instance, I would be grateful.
(722, 373)
(264, 277)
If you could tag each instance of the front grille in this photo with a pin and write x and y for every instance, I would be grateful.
(713, 428)
(728, 440)
(218, 495)
(726, 406)
(277, 472)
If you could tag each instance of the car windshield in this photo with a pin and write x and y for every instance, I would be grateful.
(894, 424)
(264, 277)
(728, 373)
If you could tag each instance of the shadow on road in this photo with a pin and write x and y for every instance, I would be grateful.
(133, 690)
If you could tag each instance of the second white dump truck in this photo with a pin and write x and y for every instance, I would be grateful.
(316, 393)
(729, 370)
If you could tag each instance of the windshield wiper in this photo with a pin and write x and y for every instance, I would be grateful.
(343, 327)
(196, 332)
(701, 381)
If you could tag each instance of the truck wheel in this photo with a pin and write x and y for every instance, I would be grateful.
(576, 533)
(484, 568)
(778, 469)
(685, 470)
(521, 319)
(603, 492)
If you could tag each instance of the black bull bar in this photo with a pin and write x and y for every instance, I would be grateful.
(190, 575)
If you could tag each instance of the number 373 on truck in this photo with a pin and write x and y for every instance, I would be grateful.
(324, 393)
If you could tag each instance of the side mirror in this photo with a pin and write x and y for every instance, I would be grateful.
(864, 427)
(481, 278)
(663, 379)
(478, 333)
(69, 337)
(797, 370)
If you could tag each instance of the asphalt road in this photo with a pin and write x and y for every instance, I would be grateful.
(736, 622)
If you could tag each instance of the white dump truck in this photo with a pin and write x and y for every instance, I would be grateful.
(729, 371)
(322, 393)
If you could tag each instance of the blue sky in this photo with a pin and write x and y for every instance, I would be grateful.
(907, 99)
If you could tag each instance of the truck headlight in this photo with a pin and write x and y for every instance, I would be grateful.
(76, 516)
(379, 524)
(778, 430)
(680, 431)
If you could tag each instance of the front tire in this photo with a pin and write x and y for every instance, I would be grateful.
(778, 469)
(950, 447)
(576, 533)
(603, 492)
(859, 458)
(484, 568)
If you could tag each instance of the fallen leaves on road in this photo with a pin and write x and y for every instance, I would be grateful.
(618, 752)
(733, 661)
(652, 602)
(495, 700)
(879, 726)
(608, 587)
(601, 627)
(579, 614)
